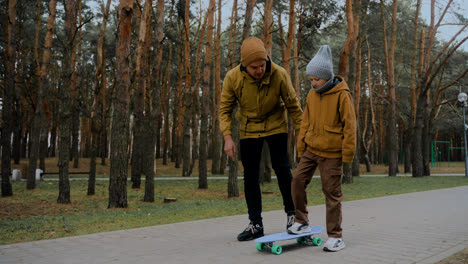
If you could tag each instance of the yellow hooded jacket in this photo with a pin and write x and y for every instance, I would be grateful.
(328, 127)
(262, 104)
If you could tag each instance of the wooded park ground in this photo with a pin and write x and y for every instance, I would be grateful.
(31, 215)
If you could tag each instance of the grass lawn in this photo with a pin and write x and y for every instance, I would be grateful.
(31, 215)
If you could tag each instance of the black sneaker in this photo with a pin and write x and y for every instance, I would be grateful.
(251, 232)
(290, 221)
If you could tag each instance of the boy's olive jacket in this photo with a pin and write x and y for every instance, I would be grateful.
(328, 127)
(262, 104)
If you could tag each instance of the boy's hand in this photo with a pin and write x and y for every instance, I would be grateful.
(229, 147)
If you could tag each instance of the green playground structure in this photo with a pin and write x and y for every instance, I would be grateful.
(436, 155)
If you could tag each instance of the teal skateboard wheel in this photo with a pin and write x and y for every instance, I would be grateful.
(276, 249)
(260, 246)
(300, 240)
(317, 241)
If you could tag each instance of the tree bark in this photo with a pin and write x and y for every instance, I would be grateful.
(42, 83)
(232, 187)
(203, 172)
(268, 26)
(187, 106)
(96, 111)
(392, 131)
(77, 97)
(167, 109)
(120, 115)
(7, 103)
(217, 137)
(36, 123)
(357, 54)
(153, 101)
(367, 143)
(347, 66)
(248, 19)
(65, 102)
(195, 94)
(139, 139)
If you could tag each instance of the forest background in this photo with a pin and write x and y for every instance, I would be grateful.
(140, 80)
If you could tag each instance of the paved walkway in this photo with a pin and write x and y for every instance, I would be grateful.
(422, 227)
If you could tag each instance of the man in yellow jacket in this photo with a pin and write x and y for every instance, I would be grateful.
(327, 138)
(264, 92)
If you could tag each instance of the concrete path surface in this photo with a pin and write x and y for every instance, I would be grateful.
(422, 227)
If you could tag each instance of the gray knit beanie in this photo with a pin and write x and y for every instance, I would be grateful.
(321, 64)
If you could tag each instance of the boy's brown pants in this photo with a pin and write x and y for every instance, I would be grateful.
(330, 174)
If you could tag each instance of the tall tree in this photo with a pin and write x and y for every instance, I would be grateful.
(153, 93)
(42, 84)
(367, 141)
(412, 88)
(140, 94)
(347, 64)
(389, 52)
(96, 109)
(7, 103)
(265, 162)
(268, 26)
(188, 94)
(77, 92)
(356, 59)
(232, 188)
(217, 137)
(120, 115)
(428, 102)
(203, 172)
(286, 64)
(248, 18)
(65, 101)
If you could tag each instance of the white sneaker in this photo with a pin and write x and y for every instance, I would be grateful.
(334, 244)
(298, 228)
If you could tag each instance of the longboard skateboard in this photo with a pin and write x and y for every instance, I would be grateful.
(266, 242)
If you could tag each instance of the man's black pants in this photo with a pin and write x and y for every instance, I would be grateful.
(251, 153)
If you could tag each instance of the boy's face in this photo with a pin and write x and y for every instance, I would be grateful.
(316, 81)
(257, 69)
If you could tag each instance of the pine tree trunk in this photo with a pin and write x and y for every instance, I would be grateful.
(65, 102)
(96, 111)
(76, 110)
(217, 137)
(357, 82)
(7, 103)
(36, 126)
(205, 103)
(167, 96)
(17, 129)
(392, 130)
(149, 127)
(120, 115)
(178, 122)
(347, 68)
(417, 155)
(233, 189)
(188, 95)
(153, 102)
(139, 101)
(37, 119)
(248, 19)
(265, 165)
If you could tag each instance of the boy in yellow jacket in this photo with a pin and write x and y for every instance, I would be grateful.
(326, 140)
(264, 93)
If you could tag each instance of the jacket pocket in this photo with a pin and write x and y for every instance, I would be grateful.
(334, 136)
